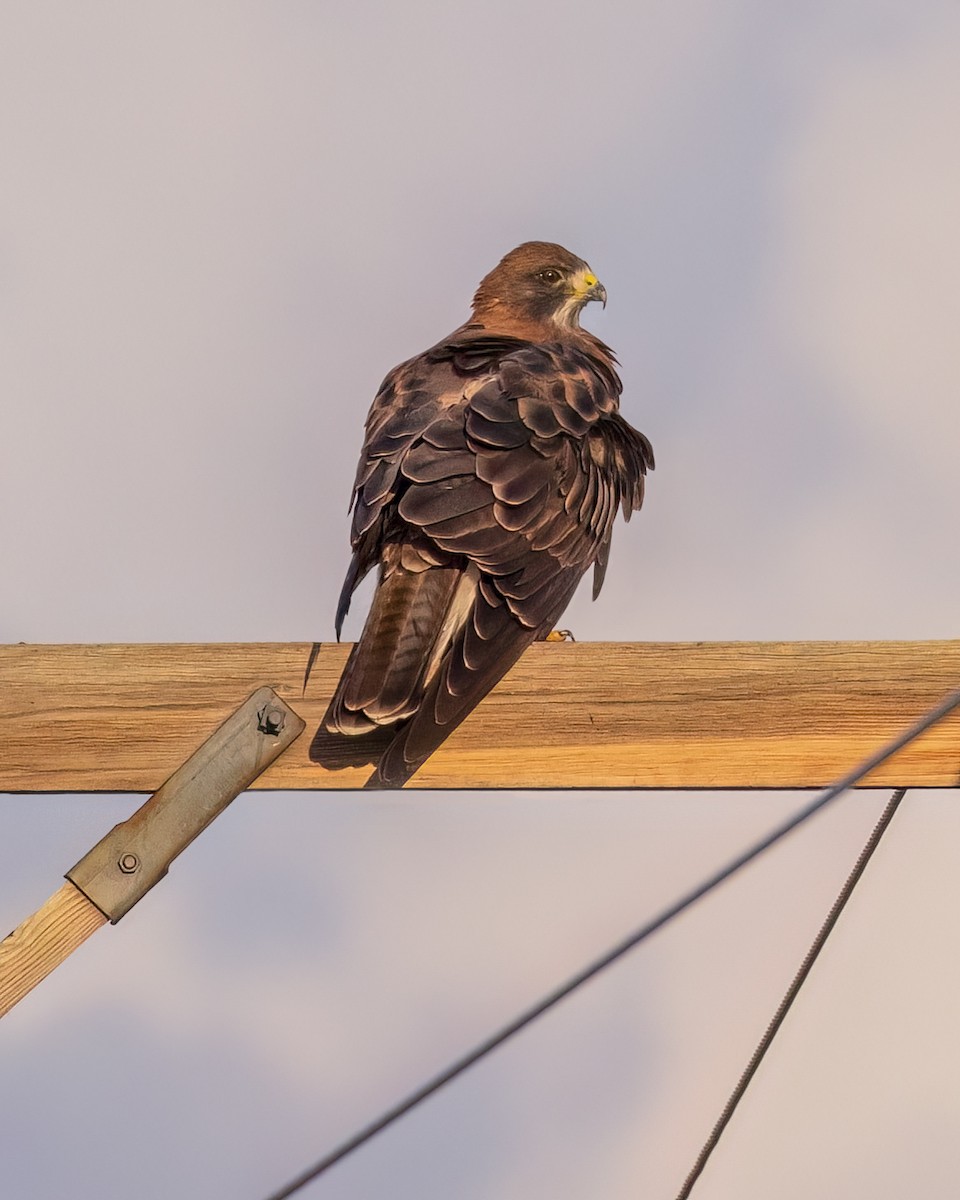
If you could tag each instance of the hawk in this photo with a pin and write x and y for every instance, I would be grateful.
(491, 472)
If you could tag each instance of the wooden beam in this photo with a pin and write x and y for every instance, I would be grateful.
(652, 715)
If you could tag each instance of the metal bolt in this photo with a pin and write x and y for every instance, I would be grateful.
(270, 719)
(128, 863)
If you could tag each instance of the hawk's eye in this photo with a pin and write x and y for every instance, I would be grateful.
(549, 276)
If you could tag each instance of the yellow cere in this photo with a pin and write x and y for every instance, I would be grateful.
(583, 282)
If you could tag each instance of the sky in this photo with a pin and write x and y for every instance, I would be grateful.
(220, 225)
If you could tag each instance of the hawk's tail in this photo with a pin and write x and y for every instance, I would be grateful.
(383, 680)
(486, 647)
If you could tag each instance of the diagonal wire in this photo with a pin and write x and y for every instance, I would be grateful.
(791, 993)
(947, 705)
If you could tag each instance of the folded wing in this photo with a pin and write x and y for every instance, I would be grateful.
(490, 478)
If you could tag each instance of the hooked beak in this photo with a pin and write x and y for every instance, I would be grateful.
(598, 292)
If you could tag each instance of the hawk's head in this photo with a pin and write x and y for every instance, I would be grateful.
(539, 282)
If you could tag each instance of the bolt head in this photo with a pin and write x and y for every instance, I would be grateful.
(271, 719)
(128, 863)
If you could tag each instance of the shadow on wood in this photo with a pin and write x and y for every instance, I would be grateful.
(337, 751)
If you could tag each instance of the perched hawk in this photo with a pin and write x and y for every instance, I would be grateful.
(490, 475)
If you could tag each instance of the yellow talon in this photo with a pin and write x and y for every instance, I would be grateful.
(559, 635)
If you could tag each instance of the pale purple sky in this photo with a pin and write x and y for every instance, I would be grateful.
(220, 225)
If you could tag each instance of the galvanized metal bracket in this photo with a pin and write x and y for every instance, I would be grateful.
(137, 853)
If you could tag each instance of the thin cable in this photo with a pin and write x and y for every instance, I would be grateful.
(456, 1068)
(791, 993)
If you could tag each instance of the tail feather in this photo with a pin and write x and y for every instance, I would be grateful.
(484, 648)
(383, 680)
(472, 665)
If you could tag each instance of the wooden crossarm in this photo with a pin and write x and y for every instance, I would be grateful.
(649, 715)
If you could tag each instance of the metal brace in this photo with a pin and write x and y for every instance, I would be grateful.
(137, 853)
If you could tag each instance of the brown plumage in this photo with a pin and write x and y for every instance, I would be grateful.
(491, 472)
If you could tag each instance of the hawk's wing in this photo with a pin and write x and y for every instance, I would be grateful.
(489, 481)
